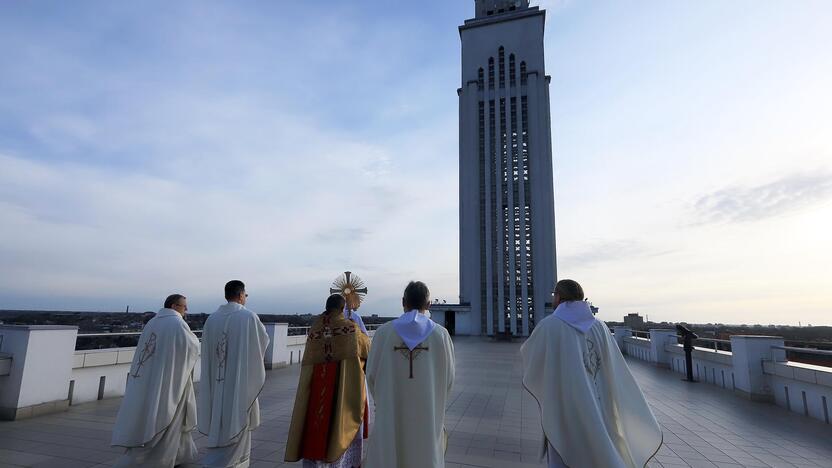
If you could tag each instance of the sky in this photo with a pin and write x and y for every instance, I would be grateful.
(155, 147)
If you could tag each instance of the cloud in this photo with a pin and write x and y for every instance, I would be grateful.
(747, 204)
(342, 235)
(604, 251)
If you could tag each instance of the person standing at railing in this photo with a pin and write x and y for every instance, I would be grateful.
(158, 412)
(233, 346)
(592, 410)
(329, 420)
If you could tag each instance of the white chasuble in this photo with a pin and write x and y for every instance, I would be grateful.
(158, 411)
(593, 412)
(234, 343)
(410, 383)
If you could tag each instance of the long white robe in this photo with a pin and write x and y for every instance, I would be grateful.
(409, 428)
(158, 412)
(592, 410)
(234, 343)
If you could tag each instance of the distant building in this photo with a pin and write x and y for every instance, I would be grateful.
(634, 321)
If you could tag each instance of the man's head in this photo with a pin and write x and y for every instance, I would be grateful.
(178, 303)
(335, 303)
(235, 291)
(568, 290)
(416, 296)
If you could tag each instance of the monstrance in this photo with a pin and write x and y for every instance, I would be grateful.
(351, 287)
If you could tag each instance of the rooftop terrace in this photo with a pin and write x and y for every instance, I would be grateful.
(492, 422)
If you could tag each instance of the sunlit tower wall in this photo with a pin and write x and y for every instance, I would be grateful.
(506, 200)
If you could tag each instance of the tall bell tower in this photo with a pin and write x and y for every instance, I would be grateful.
(506, 212)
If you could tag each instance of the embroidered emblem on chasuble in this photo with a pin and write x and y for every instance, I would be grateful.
(410, 354)
(222, 356)
(147, 352)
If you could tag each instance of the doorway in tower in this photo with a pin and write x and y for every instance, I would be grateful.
(450, 322)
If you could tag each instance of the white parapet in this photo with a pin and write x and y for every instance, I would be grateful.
(276, 354)
(619, 333)
(659, 338)
(748, 354)
(39, 371)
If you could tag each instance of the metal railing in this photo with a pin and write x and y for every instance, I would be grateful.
(715, 343)
(793, 349)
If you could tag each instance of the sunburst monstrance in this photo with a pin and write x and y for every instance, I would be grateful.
(351, 287)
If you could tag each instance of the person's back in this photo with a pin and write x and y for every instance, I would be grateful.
(592, 410)
(157, 413)
(410, 372)
(233, 345)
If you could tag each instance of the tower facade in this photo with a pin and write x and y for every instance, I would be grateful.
(506, 200)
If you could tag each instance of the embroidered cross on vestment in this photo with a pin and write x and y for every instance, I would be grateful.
(410, 353)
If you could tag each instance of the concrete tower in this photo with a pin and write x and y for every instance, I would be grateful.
(506, 200)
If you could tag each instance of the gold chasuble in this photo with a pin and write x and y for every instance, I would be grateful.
(331, 398)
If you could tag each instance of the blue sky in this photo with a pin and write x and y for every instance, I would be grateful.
(153, 147)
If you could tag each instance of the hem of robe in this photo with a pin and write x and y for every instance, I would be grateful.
(243, 462)
(187, 459)
(548, 440)
(232, 441)
(191, 429)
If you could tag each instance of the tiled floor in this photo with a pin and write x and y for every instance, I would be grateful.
(492, 423)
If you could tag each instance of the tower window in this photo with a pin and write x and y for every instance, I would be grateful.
(491, 73)
(502, 64)
(512, 80)
(523, 75)
(480, 78)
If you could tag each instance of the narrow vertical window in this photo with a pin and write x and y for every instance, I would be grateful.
(491, 73)
(511, 71)
(523, 75)
(480, 78)
(502, 65)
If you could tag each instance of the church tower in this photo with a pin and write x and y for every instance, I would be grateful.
(506, 200)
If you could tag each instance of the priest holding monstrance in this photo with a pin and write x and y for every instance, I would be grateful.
(592, 411)
(330, 404)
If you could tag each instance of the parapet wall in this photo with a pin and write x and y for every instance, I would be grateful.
(41, 372)
(757, 367)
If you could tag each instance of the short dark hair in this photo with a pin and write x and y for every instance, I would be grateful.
(569, 290)
(335, 302)
(172, 300)
(416, 296)
(233, 289)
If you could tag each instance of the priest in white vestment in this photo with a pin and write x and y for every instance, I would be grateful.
(158, 412)
(592, 410)
(350, 314)
(410, 371)
(234, 343)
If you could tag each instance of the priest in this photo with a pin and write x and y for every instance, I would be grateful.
(233, 346)
(410, 372)
(330, 404)
(592, 410)
(158, 412)
(351, 314)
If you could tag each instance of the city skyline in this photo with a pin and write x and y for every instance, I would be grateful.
(156, 148)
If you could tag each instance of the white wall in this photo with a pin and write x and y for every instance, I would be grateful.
(755, 368)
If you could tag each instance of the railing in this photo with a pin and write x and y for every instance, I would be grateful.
(84, 342)
(714, 343)
(822, 352)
